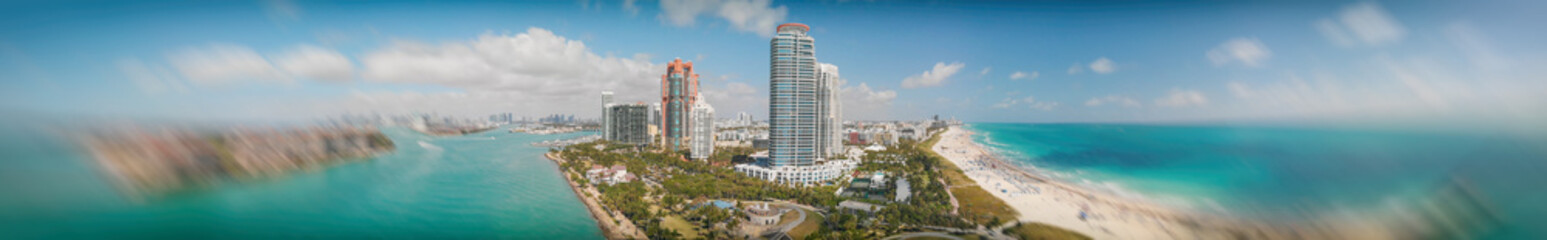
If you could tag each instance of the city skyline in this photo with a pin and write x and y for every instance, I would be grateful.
(1364, 61)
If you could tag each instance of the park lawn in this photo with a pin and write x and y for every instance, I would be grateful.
(813, 221)
(1042, 231)
(675, 222)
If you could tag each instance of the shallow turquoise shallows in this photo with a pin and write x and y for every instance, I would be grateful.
(486, 185)
(1284, 173)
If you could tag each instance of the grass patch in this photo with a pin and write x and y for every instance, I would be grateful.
(977, 205)
(813, 221)
(681, 226)
(981, 207)
(1042, 231)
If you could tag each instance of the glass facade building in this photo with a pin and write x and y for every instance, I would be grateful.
(679, 91)
(792, 100)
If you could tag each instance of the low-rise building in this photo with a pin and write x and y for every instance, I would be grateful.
(763, 214)
(613, 175)
(824, 169)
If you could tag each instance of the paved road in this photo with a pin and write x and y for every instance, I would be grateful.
(921, 234)
(785, 230)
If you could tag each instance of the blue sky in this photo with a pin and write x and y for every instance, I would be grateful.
(1078, 62)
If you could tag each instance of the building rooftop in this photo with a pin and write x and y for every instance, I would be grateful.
(801, 27)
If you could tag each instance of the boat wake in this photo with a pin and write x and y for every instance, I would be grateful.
(429, 146)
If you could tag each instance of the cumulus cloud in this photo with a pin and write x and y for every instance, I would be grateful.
(1112, 99)
(933, 77)
(864, 103)
(228, 64)
(221, 64)
(1247, 51)
(1103, 66)
(754, 16)
(734, 97)
(317, 63)
(453, 103)
(1028, 101)
(1361, 23)
(1018, 75)
(1182, 98)
(984, 72)
(1075, 69)
(536, 62)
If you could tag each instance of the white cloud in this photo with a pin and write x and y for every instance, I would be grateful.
(863, 103)
(1075, 69)
(1388, 91)
(454, 103)
(316, 63)
(536, 62)
(1029, 101)
(1475, 46)
(734, 97)
(1364, 23)
(755, 16)
(282, 10)
(1182, 98)
(1247, 51)
(1112, 99)
(933, 77)
(628, 6)
(151, 79)
(984, 72)
(222, 64)
(1103, 66)
(1018, 75)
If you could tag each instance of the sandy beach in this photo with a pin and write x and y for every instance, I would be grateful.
(1094, 213)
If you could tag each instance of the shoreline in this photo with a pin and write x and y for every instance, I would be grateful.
(604, 219)
(1094, 213)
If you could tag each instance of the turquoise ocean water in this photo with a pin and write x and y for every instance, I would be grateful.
(487, 185)
(1285, 173)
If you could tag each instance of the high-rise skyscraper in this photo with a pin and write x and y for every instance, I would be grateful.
(655, 121)
(792, 100)
(703, 130)
(627, 123)
(679, 91)
(829, 122)
(799, 113)
(606, 110)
